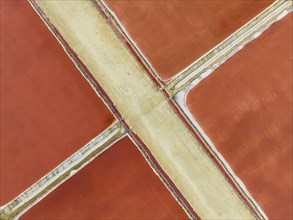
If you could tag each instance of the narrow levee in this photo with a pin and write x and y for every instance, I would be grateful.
(119, 184)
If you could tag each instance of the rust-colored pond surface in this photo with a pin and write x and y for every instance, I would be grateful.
(119, 184)
(173, 34)
(48, 110)
(245, 107)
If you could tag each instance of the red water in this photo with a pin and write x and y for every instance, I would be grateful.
(173, 34)
(245, 107)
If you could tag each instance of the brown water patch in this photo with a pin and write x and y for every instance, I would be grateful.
(48, 110)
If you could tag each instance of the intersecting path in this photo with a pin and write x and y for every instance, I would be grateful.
(144, 110)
